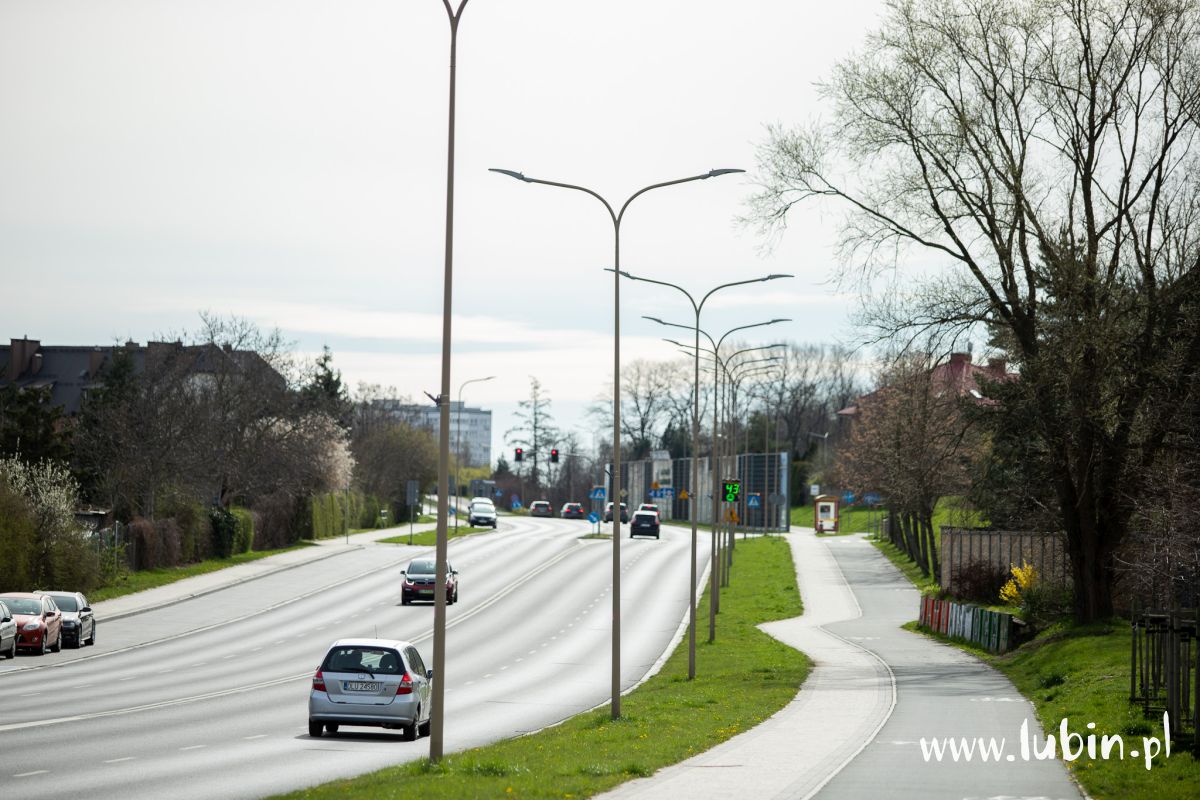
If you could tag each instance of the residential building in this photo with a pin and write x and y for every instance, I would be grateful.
(470, 428)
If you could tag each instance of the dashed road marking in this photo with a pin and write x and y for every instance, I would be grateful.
(31, 774)
(193, 747)
(255, 736)
(119, 760)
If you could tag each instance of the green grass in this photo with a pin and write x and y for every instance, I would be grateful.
(1081, 673)
(427, 538)
(152, 578)
(741, 679)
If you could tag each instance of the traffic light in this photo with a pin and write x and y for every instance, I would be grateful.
(554, 455)
(519, 455)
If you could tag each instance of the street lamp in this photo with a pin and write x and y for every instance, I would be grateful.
(438, 716)
(616, 217)
(458, 449)
(695, 481)
(714, 586)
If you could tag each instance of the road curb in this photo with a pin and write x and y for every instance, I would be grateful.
(227, 585)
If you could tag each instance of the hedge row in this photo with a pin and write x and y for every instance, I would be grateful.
(332, 511)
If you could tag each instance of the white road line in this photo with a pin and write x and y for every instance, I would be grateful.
(193, 747)
(31, 694)
(160, 672)
(119, 760)
(31, 774)
(256, 736)
(201, 663)
(81, 686)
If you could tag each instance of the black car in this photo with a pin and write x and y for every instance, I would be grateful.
(645, 523)
(79, 623)
(573, 511)
(624, 513)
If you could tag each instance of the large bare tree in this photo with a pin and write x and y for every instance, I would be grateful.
(1041, 154)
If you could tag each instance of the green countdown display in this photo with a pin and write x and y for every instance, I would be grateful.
(732, 489)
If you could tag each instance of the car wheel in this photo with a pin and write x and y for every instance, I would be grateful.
(57, 643)
(331, 727)
(91, 640)
(423, 728)
(405, 601)
(456, 594)
(411, 731)
(315, 729)
(13, 652)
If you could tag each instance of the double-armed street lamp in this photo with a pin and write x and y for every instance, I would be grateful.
(617, 217)
(437, 716)
(714, 585)
(458, 449)
(693, 500)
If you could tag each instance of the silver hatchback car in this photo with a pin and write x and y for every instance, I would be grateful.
(381, 683)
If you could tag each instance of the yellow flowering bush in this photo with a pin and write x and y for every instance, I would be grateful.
(1014, 593)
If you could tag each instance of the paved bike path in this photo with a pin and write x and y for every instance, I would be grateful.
(853, 730)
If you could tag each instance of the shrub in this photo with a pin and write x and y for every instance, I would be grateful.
(223, 526)
(17, 540)
(979, 581)
(144, 537)
(276, 517)
(169, 542)
(243, 536)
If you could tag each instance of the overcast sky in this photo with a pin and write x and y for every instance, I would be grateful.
(284, 160)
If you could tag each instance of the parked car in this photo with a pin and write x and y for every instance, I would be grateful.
(481, 513)
(79, 623)
(8, 633)
(420, 580)
(608, 514)
(379, 683)
(39, 622)
(541, 508)
(645, 523)
(573, 511)
(649, 507)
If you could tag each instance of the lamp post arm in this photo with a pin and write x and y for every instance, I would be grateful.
(642, 191)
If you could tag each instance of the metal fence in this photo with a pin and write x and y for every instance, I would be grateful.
(761, 474)
(1164, 667)
(961, 548)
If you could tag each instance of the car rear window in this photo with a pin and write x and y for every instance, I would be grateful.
(379, 660)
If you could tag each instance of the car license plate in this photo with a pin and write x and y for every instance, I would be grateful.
(360, 686)
(426, 591)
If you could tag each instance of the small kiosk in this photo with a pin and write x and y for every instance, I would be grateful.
(825, 513)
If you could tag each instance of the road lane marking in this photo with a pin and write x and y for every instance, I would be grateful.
(193, 747)
(119, 760)
(256, 736)
(31, 774)
(31, 694)
(81, 686)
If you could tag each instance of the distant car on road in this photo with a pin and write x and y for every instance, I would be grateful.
(481, 513)
(8, 633)
(380, 683)
(573, 511)
(39, 622)
(79, 623)
(645, 523)
(541, 508)
(608, 514)
(420, 580)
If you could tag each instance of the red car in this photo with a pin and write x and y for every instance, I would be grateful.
(420, 579)
(39, 622)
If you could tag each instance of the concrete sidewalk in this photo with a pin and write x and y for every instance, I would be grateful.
(853, 729)
(845, 700)
(200, 585)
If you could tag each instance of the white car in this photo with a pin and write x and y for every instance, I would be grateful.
(481, 513)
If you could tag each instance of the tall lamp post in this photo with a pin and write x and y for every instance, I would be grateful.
(693, 503)
(714, 586)
(458, 448)
(438, 716)
(616, 217)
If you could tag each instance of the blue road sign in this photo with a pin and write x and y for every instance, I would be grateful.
(499, 493)
(593, 517)
(516, 504)
(848, 498)
(667, 492)
(597, 493)
(872, 498)
(754, 501)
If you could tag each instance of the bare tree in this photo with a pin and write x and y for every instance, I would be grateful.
(534, 431)
(1042, 151)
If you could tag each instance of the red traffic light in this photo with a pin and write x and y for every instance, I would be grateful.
(554, 455)
(519, 454)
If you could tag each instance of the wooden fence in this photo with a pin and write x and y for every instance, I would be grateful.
(991, 630)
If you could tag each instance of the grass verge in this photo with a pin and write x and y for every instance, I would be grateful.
(152, 578)
(741, 679)
(906, 565)
(429, 538)
(1081, 674)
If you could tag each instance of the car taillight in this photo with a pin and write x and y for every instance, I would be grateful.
(405, 685)
(318, 682)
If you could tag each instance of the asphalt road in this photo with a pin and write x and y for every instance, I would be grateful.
(207, 698)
